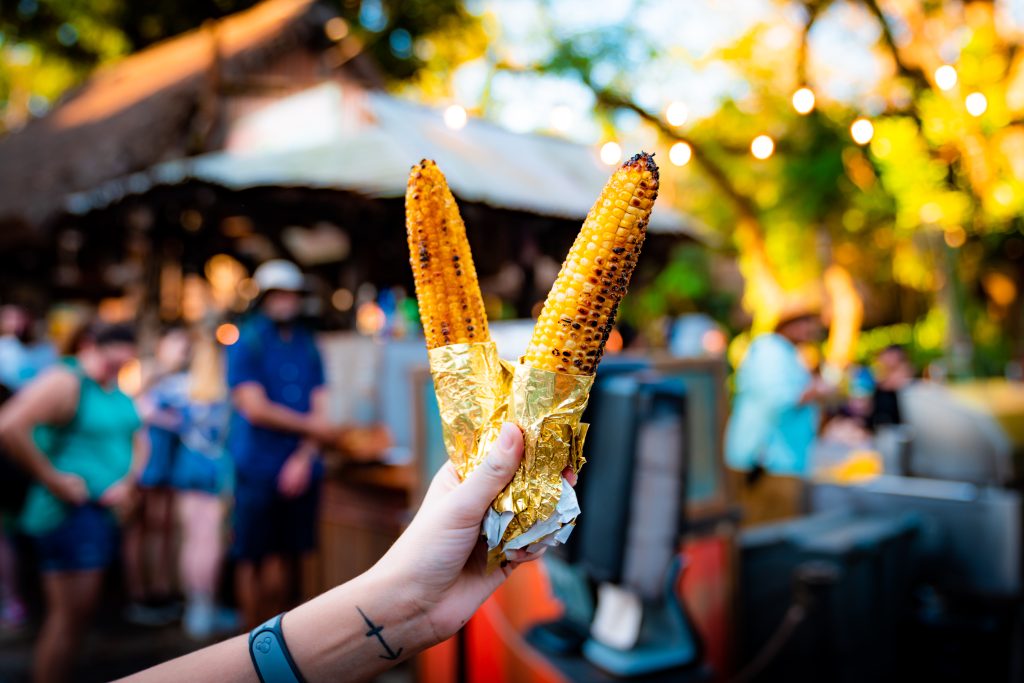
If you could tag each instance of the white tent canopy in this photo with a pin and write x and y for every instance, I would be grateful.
(334, 136)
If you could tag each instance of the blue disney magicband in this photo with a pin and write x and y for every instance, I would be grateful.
(270, 654)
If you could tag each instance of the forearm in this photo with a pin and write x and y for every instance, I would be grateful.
(140, 455)
(328, 637)
(270, 415)
(310, 447)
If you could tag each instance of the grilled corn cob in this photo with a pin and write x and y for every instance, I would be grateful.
(451, 307)
(579, 312)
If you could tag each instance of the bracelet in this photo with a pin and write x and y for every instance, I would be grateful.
(270, 654)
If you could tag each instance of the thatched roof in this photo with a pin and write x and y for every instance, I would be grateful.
(153, 106)
(342, 137)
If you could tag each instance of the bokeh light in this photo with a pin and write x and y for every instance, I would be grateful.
(455, 117)
(248, 289)
(714, 342)
(227, 334)
(945, 77)
(803, 101)
(614, 343)
(680, 154)
(129, 377)
(762, 147)
(677, 113)
(862, 131)
(336, 29)
(976, 104)
(370, 318)
(342, 299)
(955, 237)
(611, 153)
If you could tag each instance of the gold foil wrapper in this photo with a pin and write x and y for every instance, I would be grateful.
(548, 407)
(472, 386)
(477, 392)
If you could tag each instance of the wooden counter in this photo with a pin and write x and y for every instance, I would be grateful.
(363, 510)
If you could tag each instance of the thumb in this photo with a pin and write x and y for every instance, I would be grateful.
(471, 498)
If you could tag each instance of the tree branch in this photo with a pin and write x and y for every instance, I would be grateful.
(744, 204)
(912, 72)
(814, 10)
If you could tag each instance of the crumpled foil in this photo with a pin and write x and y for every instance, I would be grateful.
(476, 393)
(472, 385)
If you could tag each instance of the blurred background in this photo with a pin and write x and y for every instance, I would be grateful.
(842, 180)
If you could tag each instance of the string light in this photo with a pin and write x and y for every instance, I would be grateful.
(762, 147)
(455, 117)
(976, 104)
(680, 154)
(611, 153)
(677, 113)
(803, 101)
(862, 131)
(945, 77)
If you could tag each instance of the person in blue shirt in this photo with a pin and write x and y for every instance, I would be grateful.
(276, 380)
(775, 416)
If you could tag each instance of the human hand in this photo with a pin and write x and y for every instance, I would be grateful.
(441, 560)
(67, 487)
(322, 430)
(120, 496)
(295, 475)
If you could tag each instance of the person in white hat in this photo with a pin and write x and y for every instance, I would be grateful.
(276, 379)
(775, 415)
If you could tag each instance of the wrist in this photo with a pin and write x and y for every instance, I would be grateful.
(384, 587)
(359, 628)
(305, 454)
(48, 476)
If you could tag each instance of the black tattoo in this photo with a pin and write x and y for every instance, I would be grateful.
(375, 631)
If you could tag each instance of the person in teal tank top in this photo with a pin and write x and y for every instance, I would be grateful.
(72, 429)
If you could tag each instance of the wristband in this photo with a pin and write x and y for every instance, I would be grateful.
(270, 654)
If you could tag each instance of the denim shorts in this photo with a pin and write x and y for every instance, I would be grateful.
(163, 445)
(266, 523)
(194, 471)
(86, 539)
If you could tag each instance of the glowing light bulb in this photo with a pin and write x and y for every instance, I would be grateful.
(862, 131)
(976, 104)
(611, 153)
(945, 77)
(762, 147)
(680, 154)
(677, 113)
(803, 101)
(455, 117)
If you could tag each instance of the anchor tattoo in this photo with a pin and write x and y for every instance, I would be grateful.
(375, 631)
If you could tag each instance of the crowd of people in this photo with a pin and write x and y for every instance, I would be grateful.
(790, 421)
(97, 479)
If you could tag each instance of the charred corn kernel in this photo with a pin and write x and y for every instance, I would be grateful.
(579, 312)
(451, 307)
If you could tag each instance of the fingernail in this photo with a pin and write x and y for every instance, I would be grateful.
(506, 439)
